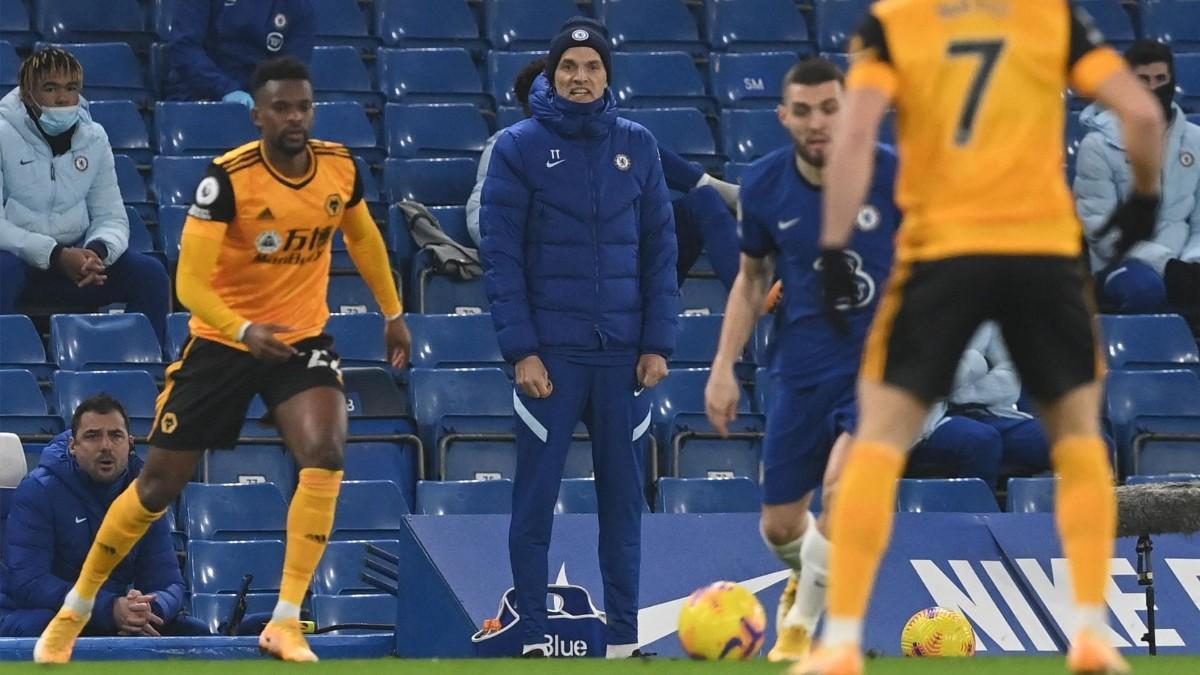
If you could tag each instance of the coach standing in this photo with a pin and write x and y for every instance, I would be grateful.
(579, 248)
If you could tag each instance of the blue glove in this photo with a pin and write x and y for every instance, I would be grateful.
(239, 96)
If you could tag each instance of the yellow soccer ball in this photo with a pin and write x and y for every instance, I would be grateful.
(938, 632)
(722, 621)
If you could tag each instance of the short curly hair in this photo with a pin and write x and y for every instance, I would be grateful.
(46, 62)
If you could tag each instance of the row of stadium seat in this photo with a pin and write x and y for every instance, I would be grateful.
(517, 24)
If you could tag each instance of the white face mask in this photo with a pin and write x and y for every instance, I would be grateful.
(55, 121)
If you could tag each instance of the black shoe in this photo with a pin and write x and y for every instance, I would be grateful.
(639, 654)
(536, 654)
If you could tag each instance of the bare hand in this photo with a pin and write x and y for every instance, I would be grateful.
(721, 397)
(651, 369)
(532, 377)
(132, 613)
(93, 271)
(260, 339)
(399, 342)
(73, 262)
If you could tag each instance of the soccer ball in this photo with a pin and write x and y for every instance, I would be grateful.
(722, 621)
(938, 631)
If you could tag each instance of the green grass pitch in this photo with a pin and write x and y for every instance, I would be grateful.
(1163, 665)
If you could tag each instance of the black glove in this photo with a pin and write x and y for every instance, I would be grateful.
(838, 281)
(1183, 283)
(1135, 219)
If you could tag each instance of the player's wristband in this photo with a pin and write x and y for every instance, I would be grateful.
(393, 317)
(241, 334)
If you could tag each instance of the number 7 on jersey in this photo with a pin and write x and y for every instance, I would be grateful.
(988, 52)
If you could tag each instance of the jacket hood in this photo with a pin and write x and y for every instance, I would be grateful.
(1096, 117)
(12, 110)
(58, 461)
(572, 119)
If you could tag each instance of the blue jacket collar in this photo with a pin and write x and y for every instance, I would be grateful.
(57, 459)
(572, 120)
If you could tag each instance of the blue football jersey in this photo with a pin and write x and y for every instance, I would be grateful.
(780, 214)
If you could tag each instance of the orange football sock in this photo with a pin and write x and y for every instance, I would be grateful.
(310, 520)
(1087, 513)
(124, 525)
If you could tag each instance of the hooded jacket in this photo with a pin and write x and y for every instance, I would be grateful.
(578, 235)
(72, 199)
(55, 515)
(1103, 179)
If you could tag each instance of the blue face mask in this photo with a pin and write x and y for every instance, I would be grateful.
(55, 121)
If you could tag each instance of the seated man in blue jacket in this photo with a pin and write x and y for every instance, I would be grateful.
(53, 519)
(215, 45)
(579, 252)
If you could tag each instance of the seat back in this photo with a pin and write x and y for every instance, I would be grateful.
(346, 122)
(945, 495)
(423, 23)
(577, 495)
(1163, 478)
(437, 181)
(1149, 342)
(459, 497)
(1113, 21)
(650, 24)
(193, 128)
(135, 390)
(19, 393)
(251, 464)
(124, 126)
(92, 341)
(358, 337)
(130, 181)
(1175, 22)
(175, 179)
(384, 461)
(708, 495)
(750, 134)
(10, 63)
(696, 341)
(755, 25)
(342, 22)
(434, 130)
(1154, 402)
(178, 333)
(753, 80)
(429, 74)
(684, 130)
(113, 70)
(21, 344)
(525, 24)
(837, 21)
(654, 79)
(218, 566)
(234, 512)
(474, 391)
(453, 340)
(369, 509)
(341, 569)
(502, 70)
(339, 68)
(14, 29)
(1032, 495)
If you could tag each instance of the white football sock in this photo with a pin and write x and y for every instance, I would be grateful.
(814, 575)
(284, 611)
(620, 651)
(842, 632)
(76, 603)
(789, 553)
(543, 648)
(728, 191)
(1092, 618)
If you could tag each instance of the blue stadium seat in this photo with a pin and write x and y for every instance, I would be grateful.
(1149, 342)
(430, 75)
(703, 295)
(945, 495)
(251, 464)
(684, 130)
(339, 74)
(755, 25)
(356, 612)
(508, 115)
(651, 25)
(124, 126)
(170, 229)
(1141, 407)
(445, 399)
(218, 566)
(1163, 478)
(708, 495)
(376, 405)
(231, 512)
(733, 171)
(22, 406)
(140, 239)
(502, 69)
(1074, 134)
(453, 341)
(73, 21)
(111, 71)
(105, 342)
(1187, 75)
(341, 568)
(342, 22)
(577, 495)
(434, 130)
(191, 128)
(22, 346)
(175, 179)
(438, 181)
(1194, 119)
(751, 80)
(177, 334)
(750, 134)
(346, 122)
(133, 388)
(358, 338)
(696, 344)
(370, 181)
(1176, 22)
(427, 23)
(14, 29)
(458, 497)
(384, 461)
(442, 294)
(837, 21)
(349, 294)
(1112, 19)
(10, 63)
(130, 182)
(658, 79)
(686, 439)
(33, 454)
(215, 609)
(453, 220)
(369, 509)
(514, 25)
(1031, 495)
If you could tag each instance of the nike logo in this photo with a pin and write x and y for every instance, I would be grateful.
(787, 224)
(26, 161)
(80, 520)
(551, 165)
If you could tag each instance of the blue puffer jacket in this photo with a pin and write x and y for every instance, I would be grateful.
(55, 514)
(578, 235)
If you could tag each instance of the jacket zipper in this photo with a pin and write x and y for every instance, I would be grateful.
(595, 243)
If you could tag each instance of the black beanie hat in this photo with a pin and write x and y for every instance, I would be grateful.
(580, 31)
